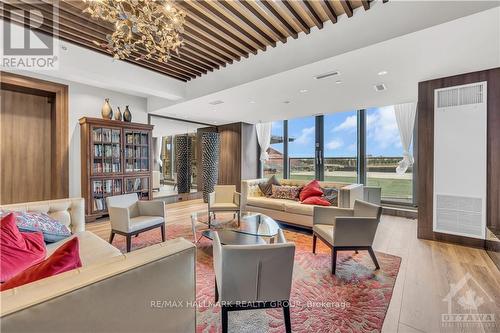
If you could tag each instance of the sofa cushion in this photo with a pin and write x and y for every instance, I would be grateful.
(316, 200)
(324, 231)
(331, 195)
(92, 247)
(18, 250)
(142, 222)
(269, 203)
(64, 259)
(298, 208)
(285, 192)
(266, 188)
(53, 230)
(310, 189)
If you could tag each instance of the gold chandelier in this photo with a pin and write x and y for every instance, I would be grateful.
(152, 28)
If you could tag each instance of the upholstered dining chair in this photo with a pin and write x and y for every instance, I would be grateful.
(347, 229)
(224, 198)
(253, 277)
(129, 216)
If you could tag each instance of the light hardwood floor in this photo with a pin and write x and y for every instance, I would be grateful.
(428, 269)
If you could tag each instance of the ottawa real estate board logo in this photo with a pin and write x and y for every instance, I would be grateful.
(27, 36)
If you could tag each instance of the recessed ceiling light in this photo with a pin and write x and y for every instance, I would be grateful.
(338, 81)
(215, 122)
(286, 102)
(382, 73)
(216, 102)
(64, 48)
(303, 91)
(252, 102)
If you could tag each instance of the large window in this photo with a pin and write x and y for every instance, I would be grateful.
(274, 166)
(340, 147)
(301, 148)
(383, 152)
(327, 147)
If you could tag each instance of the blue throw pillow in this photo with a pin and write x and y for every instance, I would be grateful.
(53, 230)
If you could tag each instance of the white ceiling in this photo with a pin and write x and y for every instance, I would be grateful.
(442, 50)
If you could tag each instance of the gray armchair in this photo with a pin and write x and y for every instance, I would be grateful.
(346, 229)
(223, 199)
(253, 277)
(130, 217)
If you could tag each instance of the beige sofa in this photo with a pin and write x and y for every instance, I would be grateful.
(148, 290)
(289, 211)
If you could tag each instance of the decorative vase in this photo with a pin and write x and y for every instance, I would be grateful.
(107, 111)
(183, 158)
(127, 115)
(210, 142)
(118, 114)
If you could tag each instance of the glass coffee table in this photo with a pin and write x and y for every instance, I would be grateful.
(253, 228)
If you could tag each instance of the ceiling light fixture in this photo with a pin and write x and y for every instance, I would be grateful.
(216, 102)
(382, 73)
(303, 91)
(151, 28)
(286, 102)
(338, 81)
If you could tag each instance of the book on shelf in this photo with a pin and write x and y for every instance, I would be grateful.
(116, 136)
(96, 134)
(106, 135)
(99, 204)
(97, 167)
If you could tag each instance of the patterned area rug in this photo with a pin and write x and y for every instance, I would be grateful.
(354, 300)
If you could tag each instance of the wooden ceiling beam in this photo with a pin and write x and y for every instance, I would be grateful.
(235, 9)
(280, 16)
(208, 9)
(208, 41)
(346, 5)
(329, 10)
(313, 15)
(222, 34)
(305, 28)
(366, 4)
(254, 8)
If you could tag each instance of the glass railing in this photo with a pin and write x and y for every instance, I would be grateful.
(381, 172)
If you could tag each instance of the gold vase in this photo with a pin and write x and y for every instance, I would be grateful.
(118, 114)
(107, 111)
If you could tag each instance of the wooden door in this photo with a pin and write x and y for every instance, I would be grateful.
(26, 147)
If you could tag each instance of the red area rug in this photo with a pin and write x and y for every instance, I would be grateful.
(354, 300)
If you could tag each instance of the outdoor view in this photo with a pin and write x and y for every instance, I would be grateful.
(383, 149)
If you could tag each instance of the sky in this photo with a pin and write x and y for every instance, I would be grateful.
(341, 134)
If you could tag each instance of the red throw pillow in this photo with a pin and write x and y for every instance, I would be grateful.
(18, 250)
(65, 258)
(316, 200)
(311, 189)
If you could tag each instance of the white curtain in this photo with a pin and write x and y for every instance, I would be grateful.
(264, 138)
(158, 151)
(405, 117)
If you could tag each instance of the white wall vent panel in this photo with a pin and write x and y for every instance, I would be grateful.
(460, 115)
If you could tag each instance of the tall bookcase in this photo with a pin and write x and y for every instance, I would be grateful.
(116, 158)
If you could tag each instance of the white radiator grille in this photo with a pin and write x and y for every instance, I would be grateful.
(460, 215)
(465, 95)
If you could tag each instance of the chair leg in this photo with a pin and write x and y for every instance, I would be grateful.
(111, 237)
(162, 228)
(334, 260)
(372, 254)
(224, 313)
(136, 235)
(286, 314)
(129, 242)
(209, 219)
(216, 292)
(315, 239)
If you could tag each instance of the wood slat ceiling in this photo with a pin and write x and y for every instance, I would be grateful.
(217, 32)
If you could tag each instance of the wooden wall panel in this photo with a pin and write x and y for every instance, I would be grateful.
(26, 146)
(230, 154)
(425, 118)
(59, 125)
